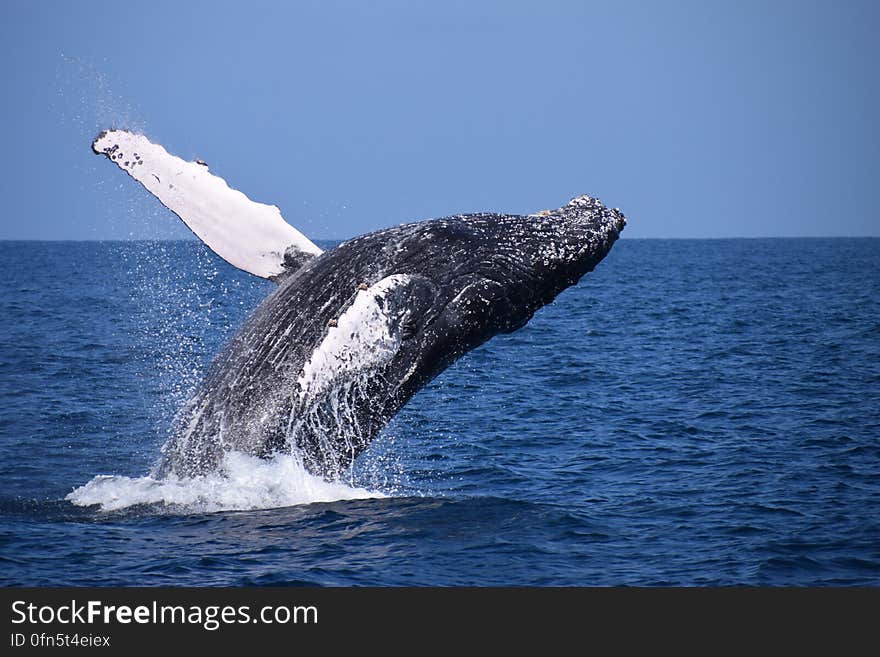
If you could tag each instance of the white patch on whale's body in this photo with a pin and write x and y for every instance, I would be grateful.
(364, 338)
(249, 235)
(345, 372)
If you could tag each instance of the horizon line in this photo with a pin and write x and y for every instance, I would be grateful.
(342, 239)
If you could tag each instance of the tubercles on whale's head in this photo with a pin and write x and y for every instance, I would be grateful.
(591, 210)
(518, 263)
(551, 249)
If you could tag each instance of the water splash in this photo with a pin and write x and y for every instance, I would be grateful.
(242, 483)
(183, 315)
(88, 100)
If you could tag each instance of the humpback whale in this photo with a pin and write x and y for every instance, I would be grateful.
(350, 334)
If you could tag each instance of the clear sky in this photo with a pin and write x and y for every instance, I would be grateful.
(698, 119)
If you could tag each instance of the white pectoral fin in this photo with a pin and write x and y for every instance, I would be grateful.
(249, 235)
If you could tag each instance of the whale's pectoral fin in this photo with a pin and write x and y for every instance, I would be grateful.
(249, 235)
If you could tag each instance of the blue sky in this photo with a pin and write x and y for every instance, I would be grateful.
(698, 119)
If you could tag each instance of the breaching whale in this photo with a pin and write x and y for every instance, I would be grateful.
(351, 334)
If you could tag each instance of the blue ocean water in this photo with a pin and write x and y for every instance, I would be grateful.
(692, 413)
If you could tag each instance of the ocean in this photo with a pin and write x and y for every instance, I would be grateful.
(693, 412)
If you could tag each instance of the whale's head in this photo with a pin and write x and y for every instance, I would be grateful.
(544, 253)
(490, 273)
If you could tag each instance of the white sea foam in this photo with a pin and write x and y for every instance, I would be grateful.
(243, 483)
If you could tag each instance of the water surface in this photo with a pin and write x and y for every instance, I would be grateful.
(693, 412)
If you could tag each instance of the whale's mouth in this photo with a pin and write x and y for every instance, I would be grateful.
(241, 483)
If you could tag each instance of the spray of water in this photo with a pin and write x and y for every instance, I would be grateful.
(187, 308)
(187, 313)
